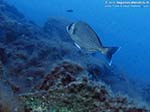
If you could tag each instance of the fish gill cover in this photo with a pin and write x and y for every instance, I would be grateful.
(42, 71)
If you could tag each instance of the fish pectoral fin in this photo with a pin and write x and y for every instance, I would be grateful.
(77, 45)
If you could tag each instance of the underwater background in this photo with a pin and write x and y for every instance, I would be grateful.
(124, 27)
(41, 70)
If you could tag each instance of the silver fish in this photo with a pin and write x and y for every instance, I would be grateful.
(85, 37)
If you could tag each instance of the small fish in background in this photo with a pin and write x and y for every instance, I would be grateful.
(69, 10)
(85, 37)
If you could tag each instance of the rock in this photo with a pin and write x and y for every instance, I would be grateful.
(66, 88)
(57, 27)
(3, 55)
(63, 74)
(8, 101)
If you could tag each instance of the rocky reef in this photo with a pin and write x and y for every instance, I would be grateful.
(42, 71)
(68, 88)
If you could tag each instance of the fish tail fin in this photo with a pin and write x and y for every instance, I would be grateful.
(109, 51)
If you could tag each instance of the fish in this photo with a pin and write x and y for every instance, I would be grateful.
(84, 37)
(69, 10)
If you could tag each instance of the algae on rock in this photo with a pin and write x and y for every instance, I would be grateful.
(78, 95)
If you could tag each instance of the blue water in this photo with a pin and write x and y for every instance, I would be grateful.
(125, 27)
